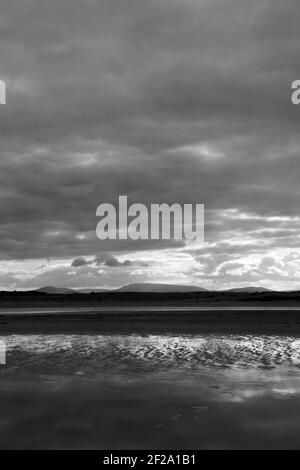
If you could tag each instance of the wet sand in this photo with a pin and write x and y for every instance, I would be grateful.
(149, 378)
(259, 320)
(170, 391)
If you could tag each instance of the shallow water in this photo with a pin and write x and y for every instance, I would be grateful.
(75, 310)
(151, 391)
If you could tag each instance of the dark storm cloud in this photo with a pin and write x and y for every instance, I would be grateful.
(164, 100)
(108, 261)
(78, 262)
(113, 262)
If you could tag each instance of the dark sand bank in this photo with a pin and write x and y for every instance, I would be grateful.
(137, 299)
(140, 312)
(272, 320)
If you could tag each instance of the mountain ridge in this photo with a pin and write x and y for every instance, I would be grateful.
(148, 288)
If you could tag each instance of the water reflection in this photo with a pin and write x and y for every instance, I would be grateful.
(152, 391)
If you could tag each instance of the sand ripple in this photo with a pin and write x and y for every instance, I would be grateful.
(71, 353)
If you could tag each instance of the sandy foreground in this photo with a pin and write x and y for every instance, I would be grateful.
(150, 391)
(150, 378)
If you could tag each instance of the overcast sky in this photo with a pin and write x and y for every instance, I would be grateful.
(161, 100)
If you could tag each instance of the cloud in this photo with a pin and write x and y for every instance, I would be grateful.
(161, 100)
(113, 262)
(106, 260)
(77, 262)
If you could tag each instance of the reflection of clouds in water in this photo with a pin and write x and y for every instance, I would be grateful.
(237, 395)
(240, 385)
(244, 368)
(289, 391)
(201, 371)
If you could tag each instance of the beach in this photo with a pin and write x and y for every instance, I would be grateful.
(150, 380)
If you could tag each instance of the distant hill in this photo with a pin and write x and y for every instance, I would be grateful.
(89, 291)
(139, 287)
(149, 287)
(249, 289)
(55, 290)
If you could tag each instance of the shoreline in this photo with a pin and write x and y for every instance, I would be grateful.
(149, 320)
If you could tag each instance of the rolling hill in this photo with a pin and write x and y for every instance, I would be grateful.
(149, 287)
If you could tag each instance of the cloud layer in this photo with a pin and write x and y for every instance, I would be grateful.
(164, 101)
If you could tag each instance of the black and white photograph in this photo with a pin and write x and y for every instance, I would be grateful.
(149, 228)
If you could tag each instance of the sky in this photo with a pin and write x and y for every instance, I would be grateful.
(183, 101)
